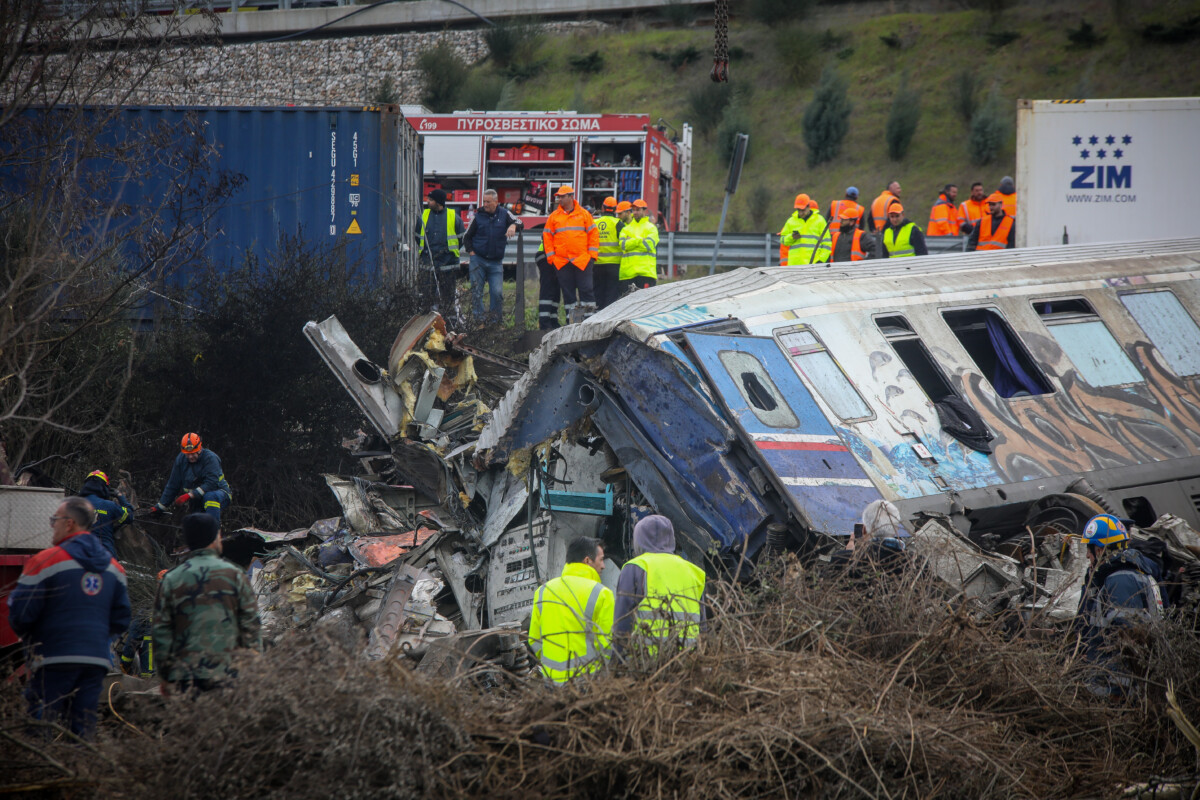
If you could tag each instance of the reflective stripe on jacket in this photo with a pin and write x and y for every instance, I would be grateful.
(836, 208)
(571, 625)
(899, 245)
(811, 244)
(856, 251)
(943, 218)
(639, 249)
(451, 231)
(610, 247)
(571, 237)
(671, 607)
(972, 210)
(879, 208)
(997, 239)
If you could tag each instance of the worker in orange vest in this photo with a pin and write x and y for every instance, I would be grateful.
(1008, 191)
(850, 242)
(850, 201)
(997, 230)
(943, 217)
(973, 209)
(877, 215)
(572, 243)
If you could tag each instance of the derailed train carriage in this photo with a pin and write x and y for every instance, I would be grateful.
(995, 391)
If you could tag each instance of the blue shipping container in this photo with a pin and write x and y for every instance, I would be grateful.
(339, 176)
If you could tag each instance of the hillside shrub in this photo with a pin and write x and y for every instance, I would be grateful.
(481, 92)
(707, 103)
(796, 49)
(902, 120)
(513, 41)
(773, 12)
(964, 94)
(1084, 37)
(735, 120)
(587, 63)
(385, 93)
(989, 131)
(1174, 32)
(758, 202)
(679, 57)
(998, 39)
(827, 118)
(444, 73)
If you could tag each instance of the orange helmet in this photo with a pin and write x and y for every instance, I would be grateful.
(802, 201)
(995, 197)
(190, 443)
(851, 211)
(610, 202)
(98, 474)
(640, 203)
(813, 204)
(895, 208)
(624, 205)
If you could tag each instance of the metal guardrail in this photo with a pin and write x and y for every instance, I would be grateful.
(753, 249)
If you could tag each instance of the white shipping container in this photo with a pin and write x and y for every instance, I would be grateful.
(1106, 170)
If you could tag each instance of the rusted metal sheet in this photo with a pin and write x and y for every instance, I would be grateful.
(378, 551)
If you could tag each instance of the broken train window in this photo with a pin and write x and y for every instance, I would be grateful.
(955, 415)
(997, 352)
(818, 366)
(1087, 341)
(758, 390)
(1170, 328)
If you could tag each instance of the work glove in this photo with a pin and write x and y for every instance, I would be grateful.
(158, 509)
(183, 498)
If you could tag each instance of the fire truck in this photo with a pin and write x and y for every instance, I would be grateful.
(527, 155)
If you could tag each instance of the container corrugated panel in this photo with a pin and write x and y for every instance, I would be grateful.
(335, 176)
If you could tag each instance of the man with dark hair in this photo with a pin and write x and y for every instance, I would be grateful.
(943, 217)
(439, 234)
(901, 237)
(205, 610)
(572, 619)
(660, 596)
(973, 208)
(70, 600)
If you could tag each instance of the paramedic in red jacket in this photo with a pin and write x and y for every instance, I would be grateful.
(69, 602)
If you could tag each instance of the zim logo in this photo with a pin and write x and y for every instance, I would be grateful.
(1102, 177)
(1102, 148)
(92, 583)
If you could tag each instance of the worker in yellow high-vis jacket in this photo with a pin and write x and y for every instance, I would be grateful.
(570, 628)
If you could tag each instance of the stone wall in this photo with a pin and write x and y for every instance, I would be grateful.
(319, 72)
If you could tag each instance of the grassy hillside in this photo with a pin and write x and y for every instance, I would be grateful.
(933, 49)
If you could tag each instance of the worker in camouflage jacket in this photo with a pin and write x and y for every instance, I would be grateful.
(204, 611)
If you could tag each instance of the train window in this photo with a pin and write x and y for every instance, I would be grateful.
(912, 353)
(818, 366)
(1087, 342)
(1170, 327)
(758, 390)
(997, 352)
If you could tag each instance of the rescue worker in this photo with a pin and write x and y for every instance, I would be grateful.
(1008, 190)
(639, 249)
(902, 238)
(438, 237)
(996, 230)
(69, 602)
(112, 510)
(943, 217)
(198, 478)
(877, 544)
(570, 629)
(486, 241)
(572, 243)
(1118, 596)
(850, 241)
(608, 263)
(973, 208)
(877, 213)
(549, 295)
(804, 238)
(660, 596)
(850, 201)
(205, 609)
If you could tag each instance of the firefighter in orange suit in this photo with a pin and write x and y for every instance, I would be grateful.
(572, 242)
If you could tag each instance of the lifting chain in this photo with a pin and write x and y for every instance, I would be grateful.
(720, 70)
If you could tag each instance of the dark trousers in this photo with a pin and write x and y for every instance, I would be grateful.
(439, 286)
(548, 294)
(67, 692)
(605, 279)
(640, 281)
(573, 280)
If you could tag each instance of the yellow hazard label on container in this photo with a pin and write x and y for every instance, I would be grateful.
(354, 227)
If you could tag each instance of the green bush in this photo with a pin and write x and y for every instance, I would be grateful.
(481, 92)
(998, 39)
(679, 57)
(385, 93)
(513, 41)
(677, 13)
(902, 120)
(989, 131)
(1084, 37)
(588, 63)
(758, 202)
(773, 12)
(735, 120)
(796, 49)
(444, 73)
(707, 103)
(827, 118)
(964, 94)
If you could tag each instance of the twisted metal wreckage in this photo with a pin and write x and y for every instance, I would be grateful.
(1000, 400)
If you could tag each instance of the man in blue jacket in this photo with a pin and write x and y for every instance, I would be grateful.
(486, 240)
(112, 510)
(69, 601)
(196, 478)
